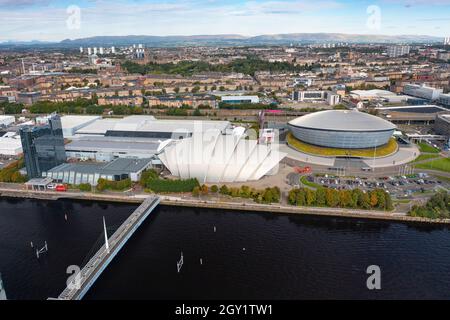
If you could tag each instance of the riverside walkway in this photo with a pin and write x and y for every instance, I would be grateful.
(84, 279)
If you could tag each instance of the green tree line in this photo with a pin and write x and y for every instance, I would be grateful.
(327, 197)
(121, 185)
(152, 182)
(249, 66)
(11, 173)
(438, 207)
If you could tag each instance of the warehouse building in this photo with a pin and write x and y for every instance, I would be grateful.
(117, 170)
(70, 124)
(103, 149)
(10, 144)
(6, 121)
(442, 125)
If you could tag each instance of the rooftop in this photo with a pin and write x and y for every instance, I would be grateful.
(73, 121)
(150, 124)
(115, 167)
(342, 120)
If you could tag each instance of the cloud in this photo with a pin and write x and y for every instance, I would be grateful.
(412, 3)
(22, 3)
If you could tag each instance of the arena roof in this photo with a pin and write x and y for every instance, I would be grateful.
(342, 120)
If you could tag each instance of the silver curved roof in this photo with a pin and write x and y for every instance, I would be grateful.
(342, 120)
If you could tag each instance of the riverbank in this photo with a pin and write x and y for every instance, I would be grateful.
(219, 204)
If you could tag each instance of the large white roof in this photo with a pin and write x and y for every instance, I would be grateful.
(150, 124)
(342, 120)
(75, 121)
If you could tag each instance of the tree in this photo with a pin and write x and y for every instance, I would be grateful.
(364, 201)
(332, 198)
(204, 189)
(196, 192)
(373, 199)
(310, 197)
(214, 189)
(224, 190)
(320, 197)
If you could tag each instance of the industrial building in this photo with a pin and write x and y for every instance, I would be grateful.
(149, 127)
(316, 95)
(240, 99)
(71, 124)
(6, 121)
(442, 125)
(10, 144)
(413, 114)
(378, 95)
(342, 129)
(422, 91)
(101, 149)
(117, 170)
(444, 99)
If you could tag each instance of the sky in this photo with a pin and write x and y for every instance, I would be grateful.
(48, 20)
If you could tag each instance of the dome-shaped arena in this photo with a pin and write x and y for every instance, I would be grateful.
(342, 129)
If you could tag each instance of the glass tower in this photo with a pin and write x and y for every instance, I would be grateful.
(43, 147)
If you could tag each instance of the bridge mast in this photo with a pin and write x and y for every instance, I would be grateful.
(106, 236)
(2, 289)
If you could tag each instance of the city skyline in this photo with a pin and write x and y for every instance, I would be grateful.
(47, 20)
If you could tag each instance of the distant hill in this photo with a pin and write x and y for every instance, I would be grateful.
(233, 39)
(238, 40)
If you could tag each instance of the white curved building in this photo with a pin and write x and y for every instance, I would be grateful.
(215, 157)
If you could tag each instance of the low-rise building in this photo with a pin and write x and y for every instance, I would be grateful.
(176, 101)
(330, 97)
(444, 99)
(117, 170)
(28, 98)
(422, 91)
(6, 120)
(442, 124)
(121, 101)
(240, 99)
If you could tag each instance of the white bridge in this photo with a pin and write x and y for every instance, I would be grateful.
(84, 279)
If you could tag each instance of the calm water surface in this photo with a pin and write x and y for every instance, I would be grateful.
(250, 256)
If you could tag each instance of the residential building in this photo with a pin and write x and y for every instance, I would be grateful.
(397, 51)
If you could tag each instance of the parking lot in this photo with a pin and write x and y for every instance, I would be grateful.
(398, 186)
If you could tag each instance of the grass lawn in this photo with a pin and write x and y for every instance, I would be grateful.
(441, 164)
(382, 151)
(425, 147)
(307, 183)
(423, 157)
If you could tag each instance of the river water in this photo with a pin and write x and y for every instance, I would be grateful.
(249, 256)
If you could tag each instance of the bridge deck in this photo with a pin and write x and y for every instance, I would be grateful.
(93, 269)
